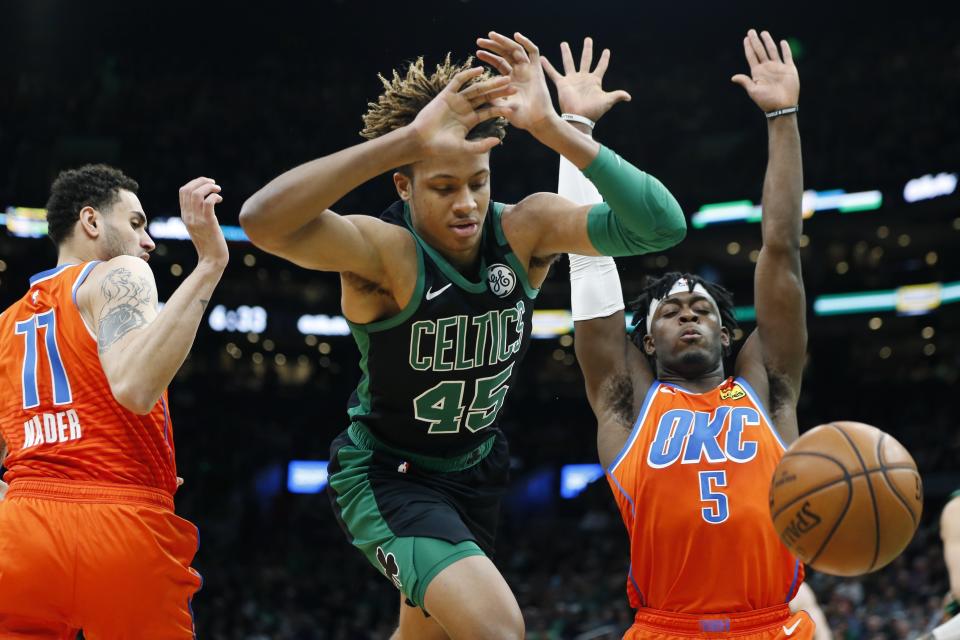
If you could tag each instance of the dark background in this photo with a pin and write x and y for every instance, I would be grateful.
(241, 92)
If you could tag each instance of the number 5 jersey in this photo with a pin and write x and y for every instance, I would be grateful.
(692, 485)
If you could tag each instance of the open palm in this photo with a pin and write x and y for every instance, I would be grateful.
(519, 58)
(580, 91)
(773, 82)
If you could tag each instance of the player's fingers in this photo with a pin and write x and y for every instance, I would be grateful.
(490, 96)
(493, 111)
(621, 96)
(483, 86)
(531, 49)
(770, 46)
(461, 78)
(480, 146)
(188, 188)
(751, 55)
(202, 191)
(744, 81)
(567, 56)
(787, 53)
(514, 51)
(757, 45)
(602, 64)
(495, 61)
(552, 73)
(210, 202)
(494, 47)
(586, 56)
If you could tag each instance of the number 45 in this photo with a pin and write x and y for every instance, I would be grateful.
(442, 405)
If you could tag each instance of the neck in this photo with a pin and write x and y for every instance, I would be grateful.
(65, 256)
(698, 384)
(464, 261)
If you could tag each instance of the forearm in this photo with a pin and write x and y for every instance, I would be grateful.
(290, 201)
(639, 215)
(153, 354)
(782, 221)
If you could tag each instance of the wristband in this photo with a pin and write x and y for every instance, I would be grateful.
(780, 112)
(572, 117)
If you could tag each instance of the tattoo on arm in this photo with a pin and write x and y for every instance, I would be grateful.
(126, 296)
(203, 303)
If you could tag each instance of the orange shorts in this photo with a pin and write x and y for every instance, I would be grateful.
(111, 560)
(775, 623)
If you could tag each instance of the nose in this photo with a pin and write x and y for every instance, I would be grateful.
(146, 243)
(464, 202)
(687, 315)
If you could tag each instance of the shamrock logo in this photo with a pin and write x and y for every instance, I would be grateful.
(390, 567)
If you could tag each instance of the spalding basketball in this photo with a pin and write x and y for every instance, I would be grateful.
(846, 498)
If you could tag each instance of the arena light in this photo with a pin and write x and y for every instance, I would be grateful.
(174, 229)
(307, 476)
(574, 478)
(930, 186)
(906, 300)
(26, 222)
(323, 325)
(31, 222)
(813, 201)
(245, 319)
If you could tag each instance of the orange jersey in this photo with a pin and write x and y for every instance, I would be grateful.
(692, 484)
(58, 415)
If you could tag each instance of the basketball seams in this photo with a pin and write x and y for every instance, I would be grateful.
(846, 478)
(893, 489)
(873, 496)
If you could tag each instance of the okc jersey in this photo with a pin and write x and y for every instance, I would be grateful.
(692, 485)
(58, 415)
(436, 375)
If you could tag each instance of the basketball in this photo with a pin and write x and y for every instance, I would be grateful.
(846, 498)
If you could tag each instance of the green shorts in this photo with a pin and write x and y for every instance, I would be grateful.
(411, 523)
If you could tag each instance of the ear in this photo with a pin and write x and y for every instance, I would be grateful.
(404, 185)
(648, 347)
(725, 337)
(91, 222)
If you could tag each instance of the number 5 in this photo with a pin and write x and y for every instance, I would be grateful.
(718, 511)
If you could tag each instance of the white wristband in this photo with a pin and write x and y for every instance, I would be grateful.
(572, 117)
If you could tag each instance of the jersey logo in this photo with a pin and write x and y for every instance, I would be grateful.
(433, 294)
(501, 279)
(733, 393)
(34, 296)
(694, 437)
(390, 568)
(789, 630)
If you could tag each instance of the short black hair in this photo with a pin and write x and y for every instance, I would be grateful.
(92, 185)
(660, 287)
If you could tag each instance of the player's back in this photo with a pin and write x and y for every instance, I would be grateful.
(692, 486)
(58, 415)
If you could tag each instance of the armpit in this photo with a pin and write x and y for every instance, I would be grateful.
(363, 285)
(780, 391)
(618, 397)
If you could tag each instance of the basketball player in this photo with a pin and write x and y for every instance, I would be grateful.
(439, 293)
(689, 450)
(950, 534)
(88, 536)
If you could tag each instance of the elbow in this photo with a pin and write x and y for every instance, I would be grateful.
(134, 400)
(250, 214)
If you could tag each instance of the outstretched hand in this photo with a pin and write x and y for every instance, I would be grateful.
(580, 91)
(442, 126)
(530, 105)
(773, 82)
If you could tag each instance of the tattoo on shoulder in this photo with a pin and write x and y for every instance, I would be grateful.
(126, 297)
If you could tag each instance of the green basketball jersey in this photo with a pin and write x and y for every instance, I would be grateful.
(435, 376)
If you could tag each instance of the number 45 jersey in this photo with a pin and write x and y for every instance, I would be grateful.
(58, 415)
(435, 376)
(692, 485)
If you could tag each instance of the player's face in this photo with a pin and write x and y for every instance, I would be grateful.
(125, 231)
(448, 198)
(687, 336)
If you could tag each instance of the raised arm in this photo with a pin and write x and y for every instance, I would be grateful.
(291, 217)
(779, 345)
(638, 214)
(141, 349)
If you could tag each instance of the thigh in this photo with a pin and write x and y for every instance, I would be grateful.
(37, 551)
(134, 576)
(470, 599)
(416, 624)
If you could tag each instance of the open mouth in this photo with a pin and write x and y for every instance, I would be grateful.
(465, 229)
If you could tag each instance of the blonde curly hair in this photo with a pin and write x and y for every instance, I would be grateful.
(404, 97)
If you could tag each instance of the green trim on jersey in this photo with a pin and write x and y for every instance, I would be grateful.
(407, 311)
(955, 494)
(448, 269)
(511, 257)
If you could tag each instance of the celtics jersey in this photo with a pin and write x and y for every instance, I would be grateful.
(436, 375)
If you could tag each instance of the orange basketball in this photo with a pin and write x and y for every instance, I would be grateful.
(846, 498)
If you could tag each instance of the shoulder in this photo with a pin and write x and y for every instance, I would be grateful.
(120, 276)
(950, 518)
(381, 233)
